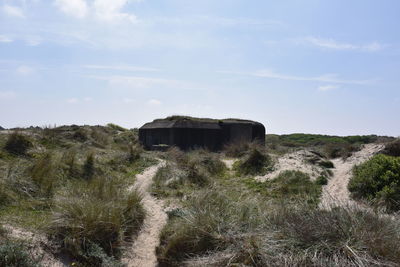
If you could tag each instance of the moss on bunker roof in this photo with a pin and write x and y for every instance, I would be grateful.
(194, 119)
(192, 122)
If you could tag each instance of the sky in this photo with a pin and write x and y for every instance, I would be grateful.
(312, 66)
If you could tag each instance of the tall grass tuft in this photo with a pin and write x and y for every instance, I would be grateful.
(254, 163)
(101, 212)
(219, 229)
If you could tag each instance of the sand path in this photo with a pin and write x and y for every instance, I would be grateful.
(143, 250)
(335, 193)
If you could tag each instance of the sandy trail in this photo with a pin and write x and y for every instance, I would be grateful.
(143, 250)
(335, 193)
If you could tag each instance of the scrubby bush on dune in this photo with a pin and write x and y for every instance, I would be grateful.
(219, 229)
(256, 162)
(101, 212)
(378, 181)
(392, 148)
(17, 144)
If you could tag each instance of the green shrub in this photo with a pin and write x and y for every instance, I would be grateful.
(326, 164)
(378, 181)
(322, 180)
(89, 166)
(14, 254)
(102, 212)
(116, 127)
(393, 148)
(254, 163)
(17, 144)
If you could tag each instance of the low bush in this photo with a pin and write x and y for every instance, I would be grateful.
(17, 144)
(378, 181)
(102, 212)
(392, 148)
(254, 163)
(15, 254)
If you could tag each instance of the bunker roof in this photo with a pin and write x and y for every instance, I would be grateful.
(192, 122)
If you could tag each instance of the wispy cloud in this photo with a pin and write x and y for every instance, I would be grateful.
(72, 100)
(327, 78)
(324, 88)
(5, 39)
(25, 70)
(136, 82)
(103, 10)
(154, 102)
(74, 8)
(13, 11)
(336, 45)
(120, 68)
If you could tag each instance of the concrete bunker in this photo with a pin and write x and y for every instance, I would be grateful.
(191, 133)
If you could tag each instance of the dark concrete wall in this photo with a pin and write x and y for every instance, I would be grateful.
(212, 139)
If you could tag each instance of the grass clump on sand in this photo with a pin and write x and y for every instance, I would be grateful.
(378, 181)
(290, 186)
(256, 162)
(17, 144)
(15, 254)
(97, 214)
(220, 229)
(196, 168)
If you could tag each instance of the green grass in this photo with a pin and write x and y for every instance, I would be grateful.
(102, 211)
(289, 186)
(378, 181)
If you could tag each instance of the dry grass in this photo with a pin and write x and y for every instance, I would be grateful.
(220, 229)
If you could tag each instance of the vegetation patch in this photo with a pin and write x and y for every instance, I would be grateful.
(219, 228)
(378, 181)
(15, 254)
(392, 148)
(289, 186)
(17, 144)
(102, 212)
(254, 163)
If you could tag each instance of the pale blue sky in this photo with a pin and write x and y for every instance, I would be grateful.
(315, 66)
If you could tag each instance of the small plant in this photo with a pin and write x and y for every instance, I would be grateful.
(322, 180)
(89, 166)
(326, 164)
(17, 144)
(378, 181)
(134, 153)
(14, 254)
(45, 175)
(254, 163)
